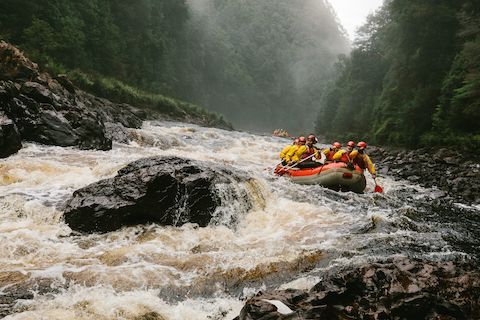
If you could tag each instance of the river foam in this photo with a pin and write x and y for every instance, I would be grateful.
(287, 238)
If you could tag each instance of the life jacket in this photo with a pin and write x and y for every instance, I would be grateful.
(343, 156)
(308, 152)
(290, 155)
(360, 161)
(329, 153)
(363, 161)
(285, 150)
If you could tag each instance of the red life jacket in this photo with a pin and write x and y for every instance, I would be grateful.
(359, 161)
(308, 152)
(345, 157)
(330, 155)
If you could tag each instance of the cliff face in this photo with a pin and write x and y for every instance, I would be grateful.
(37, 107)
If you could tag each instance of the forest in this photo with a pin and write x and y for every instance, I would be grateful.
(262, 64)
(412, 77)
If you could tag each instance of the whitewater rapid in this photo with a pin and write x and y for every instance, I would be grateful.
(286, 240)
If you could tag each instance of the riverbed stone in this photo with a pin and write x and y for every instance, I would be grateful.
(163, 190)
(399, 288)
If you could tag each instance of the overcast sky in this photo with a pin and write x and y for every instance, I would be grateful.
(353, 13)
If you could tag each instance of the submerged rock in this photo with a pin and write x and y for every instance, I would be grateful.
(163, 190)
(398, 289)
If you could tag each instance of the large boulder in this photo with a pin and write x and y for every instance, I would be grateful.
(398, 289)
(163, 190)
(10, 141)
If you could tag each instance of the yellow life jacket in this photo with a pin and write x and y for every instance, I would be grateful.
(302, 152)
(285, 151)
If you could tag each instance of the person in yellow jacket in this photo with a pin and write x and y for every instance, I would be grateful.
(290, 157)
(346, 155)
(306, 153)
(285, 150)
(330, 152)
(361, 158)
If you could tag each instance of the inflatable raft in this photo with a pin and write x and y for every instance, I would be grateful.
(333, 175)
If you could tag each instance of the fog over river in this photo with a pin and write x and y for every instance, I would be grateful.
(290, 237)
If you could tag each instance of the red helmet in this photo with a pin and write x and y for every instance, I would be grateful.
(336, 145)
(351, 144)
(302, 140)
(362, 145)
(313, 138)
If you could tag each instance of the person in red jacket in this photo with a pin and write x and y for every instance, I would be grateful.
(330, 152)
(345, 155)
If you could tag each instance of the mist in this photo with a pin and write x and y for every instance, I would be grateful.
(263, 64)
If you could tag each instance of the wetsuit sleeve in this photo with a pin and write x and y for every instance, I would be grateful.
(353, 154)
(370, 165)
(284, 152)
(290, 153)
(298, 153)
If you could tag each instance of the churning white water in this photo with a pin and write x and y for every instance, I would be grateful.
(290, 235)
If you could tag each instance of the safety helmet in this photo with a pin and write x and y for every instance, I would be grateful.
(302, 140)
(336, 145)
(313, 138)
(362, 145)
(351, 144)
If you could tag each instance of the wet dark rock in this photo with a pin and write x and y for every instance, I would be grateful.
(37, 92)
(10, 141)
(52, 111)
(65, 83)
(117, 132)
(454, 172)
(124, 114)
(167, 191)
(395, 289)
(25, 289)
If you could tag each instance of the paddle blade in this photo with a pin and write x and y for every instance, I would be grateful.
(280, 170)
(378, 189)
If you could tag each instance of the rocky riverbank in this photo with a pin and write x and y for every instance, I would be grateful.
(35, 106)
(399, 288)
(456, 173)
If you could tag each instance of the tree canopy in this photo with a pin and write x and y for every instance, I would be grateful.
(264, 64)
(412, 77)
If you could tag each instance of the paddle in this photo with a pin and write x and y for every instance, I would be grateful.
(284, 169)
(378, 188)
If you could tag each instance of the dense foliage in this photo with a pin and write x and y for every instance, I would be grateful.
(262, 63)
(413, 77)
(118, 38)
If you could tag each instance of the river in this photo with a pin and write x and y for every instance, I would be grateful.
(291, 235)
